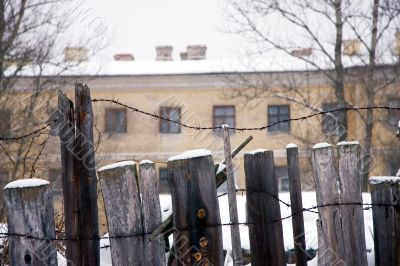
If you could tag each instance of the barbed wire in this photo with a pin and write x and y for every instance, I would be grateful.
(33, 133)
(198, 127)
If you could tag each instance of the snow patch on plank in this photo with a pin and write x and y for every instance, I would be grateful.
(291, 145)
(25, 183)
(116, 165)
(384, 179)
(348, 143)
(321, 145)
(145, 161)
(256, 151)
(190, 154)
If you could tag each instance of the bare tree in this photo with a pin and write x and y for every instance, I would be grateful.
(33, 61)
(350, 43)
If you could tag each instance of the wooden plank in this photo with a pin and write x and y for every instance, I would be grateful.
(30, 218)
(352, 217)
(385, 196)
(66, 130)
(296, 202)
(196, 216)
(263, 210)
(121, 195)
(153, 248)
(85, 172)
(232, 201)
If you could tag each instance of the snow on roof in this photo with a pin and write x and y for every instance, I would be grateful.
(190, 154)
(321, 145)
(116, 165)
(256, 151)
(382, 179)
(145, 161)
(24, 183)
(291, 145)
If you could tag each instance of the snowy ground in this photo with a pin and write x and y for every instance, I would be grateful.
(309, 223)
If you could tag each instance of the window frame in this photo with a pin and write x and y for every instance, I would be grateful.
(114, 111)
(169, 109)
(214, 116)
(326, 106)
(278, 129)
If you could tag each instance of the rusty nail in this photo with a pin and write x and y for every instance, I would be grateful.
(201, 213)
(197, 256)
(203, 242)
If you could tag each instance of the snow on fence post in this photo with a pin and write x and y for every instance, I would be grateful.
(296, 201)
(385, 196)
(196, 216)
(85, 172)
(30, 218)
(66, 130)
(154, 253)
(119, 185)
(233, 212)
(339, 195)
(263, 210)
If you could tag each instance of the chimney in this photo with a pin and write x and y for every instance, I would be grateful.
(75, 54)
(164, 53)
(196, 52)
(351, 47)
(124, 57)
(302, 52)
(397, 43)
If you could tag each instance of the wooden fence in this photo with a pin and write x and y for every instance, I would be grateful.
(132, 206)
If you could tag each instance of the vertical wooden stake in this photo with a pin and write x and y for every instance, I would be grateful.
(233, 213)
(30, 218)
(66, 129)
(153, 248)
(196, 217)
(385, 196)
(263, 210)
(121, 195)
(296, 201)
(85, 172)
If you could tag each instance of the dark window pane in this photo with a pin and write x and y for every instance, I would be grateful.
(5, 122)
(394, 115)
(174, 114)
(116, 120)
(278, 113)
(224, 115)
(329, 120)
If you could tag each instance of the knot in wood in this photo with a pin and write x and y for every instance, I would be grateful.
(201, 213)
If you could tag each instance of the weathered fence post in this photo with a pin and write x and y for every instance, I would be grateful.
(196, 216)
(296, 202)
(30, 218)
(233, 213)
(385, 196)
(85, 172)
(121, 195)
(263, 210)
(154, 253)
(340, 201)
(66, 130)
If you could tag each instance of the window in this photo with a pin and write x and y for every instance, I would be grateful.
(282, 177)
(278, 113)
(173, 114)
(224, 115)
(394, 115)
(329, 120)
(115, 120)
(55, 178)
(163, 177)
(5, 122)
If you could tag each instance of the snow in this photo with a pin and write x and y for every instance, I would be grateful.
(190, 154)
(24, 183)
(256, 151)
(116, 165)
(342, 143)
(221, 168)
(145, 161)
(381, 179)
(321, 145)
(291, 145)
(225, 126)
